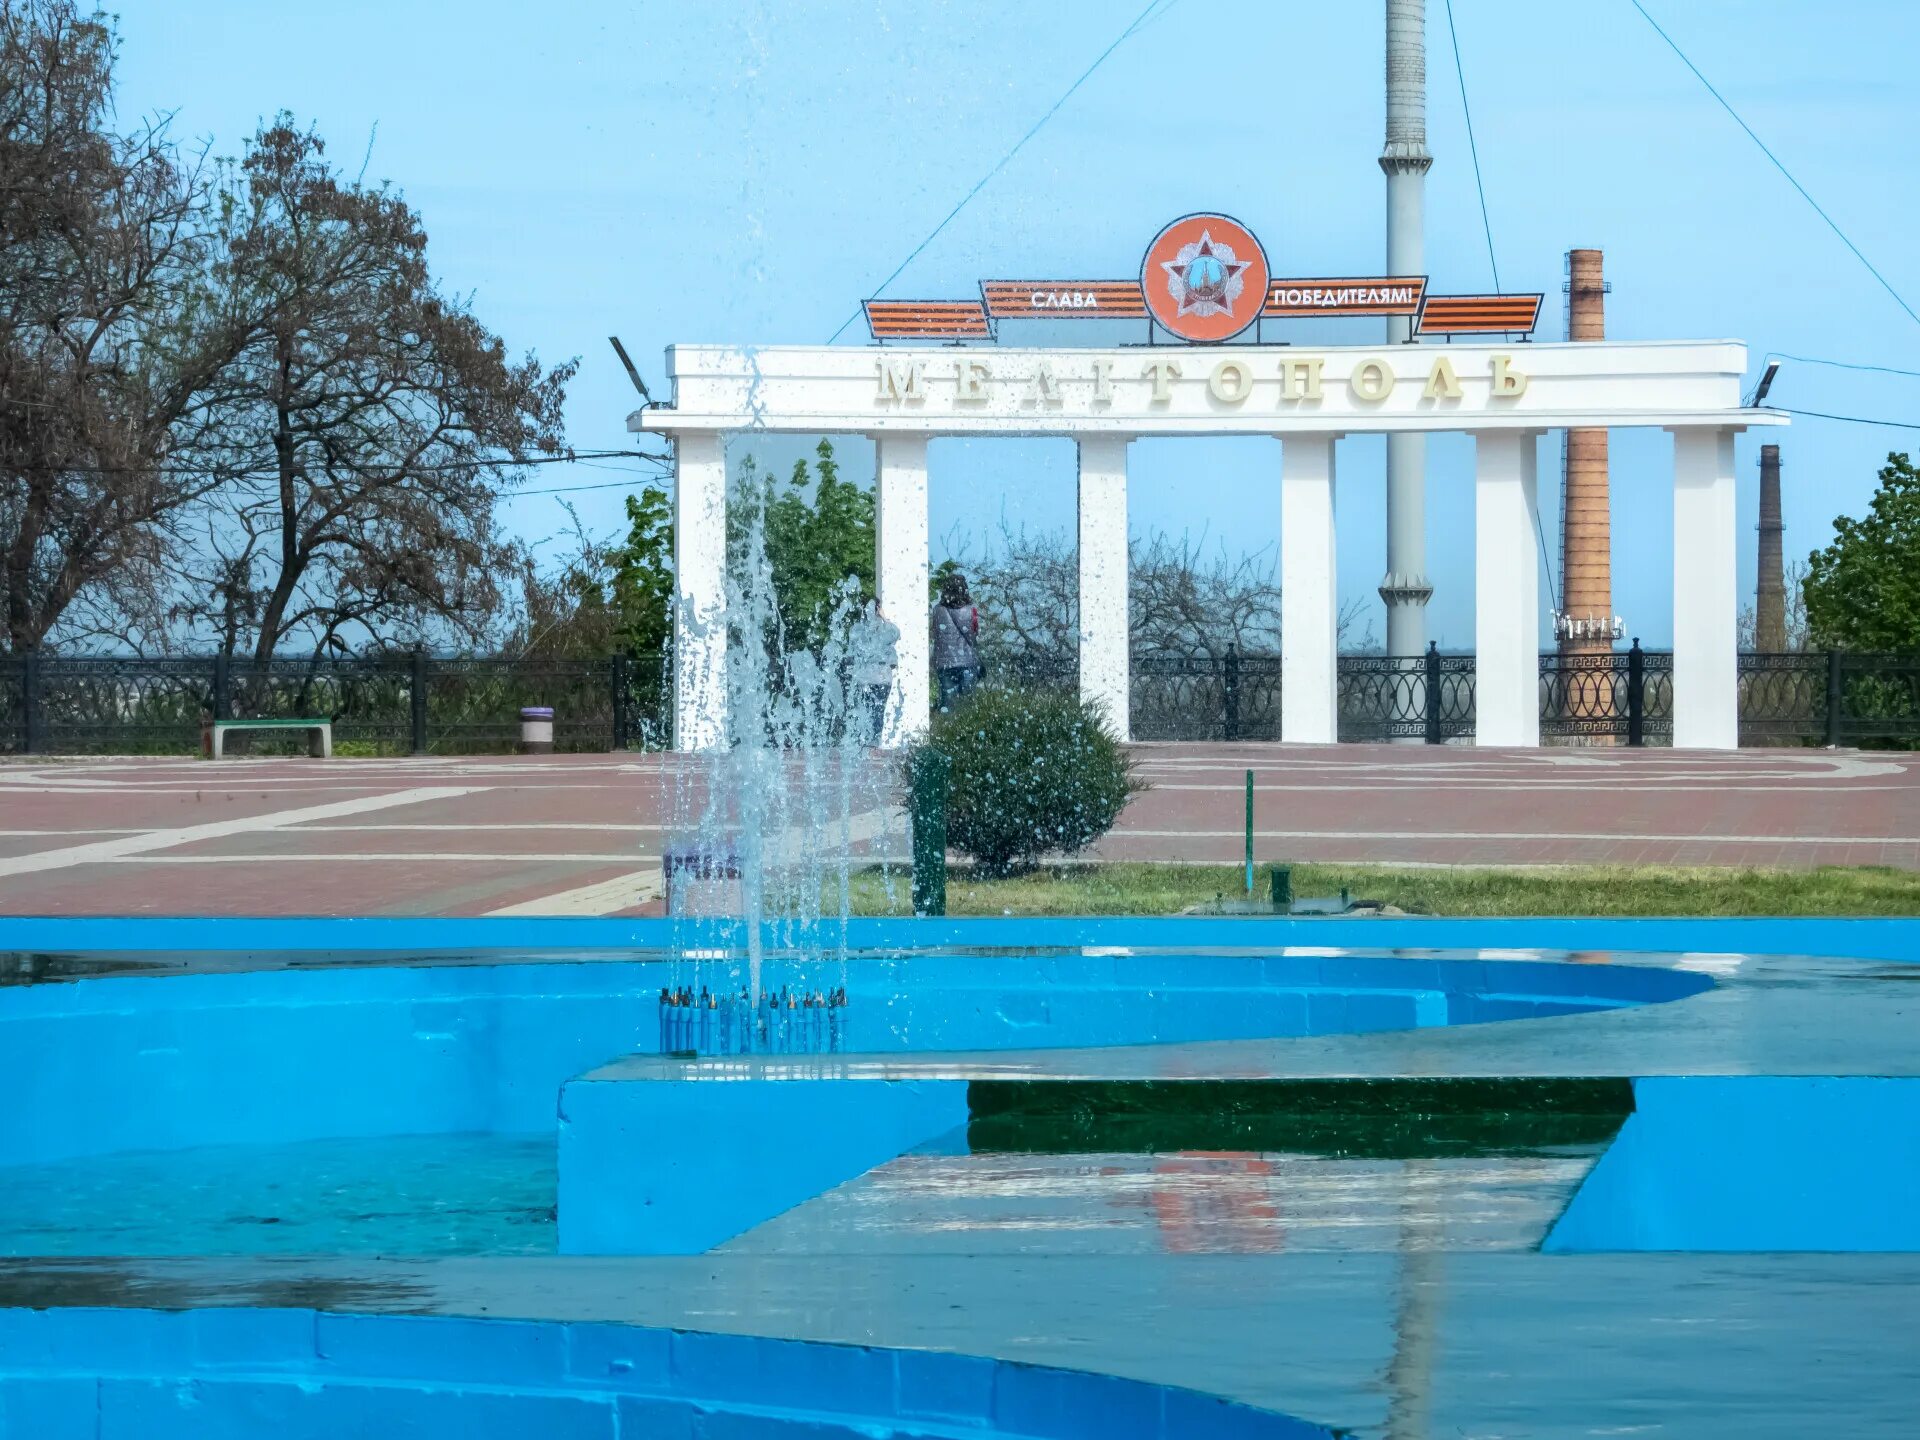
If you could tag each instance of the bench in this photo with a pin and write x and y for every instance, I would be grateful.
(319, 733)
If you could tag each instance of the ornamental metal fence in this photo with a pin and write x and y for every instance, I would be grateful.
(1199, 697)
(421, 704)
(406, 703)
(1386, 697)
(1622, 697)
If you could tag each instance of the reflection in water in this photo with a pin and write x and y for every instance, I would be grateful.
(1416, 1323)
(1238, 1203)
(39, 967)
(1217, 1203)
(168, 1286)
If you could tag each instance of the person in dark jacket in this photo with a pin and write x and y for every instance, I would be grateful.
(956, 640)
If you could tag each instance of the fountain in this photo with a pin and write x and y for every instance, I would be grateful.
(795, 792)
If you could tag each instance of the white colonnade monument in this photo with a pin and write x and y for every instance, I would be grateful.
(1505, 395)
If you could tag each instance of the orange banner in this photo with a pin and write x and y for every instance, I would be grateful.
(1064, 299)
(1374, 295)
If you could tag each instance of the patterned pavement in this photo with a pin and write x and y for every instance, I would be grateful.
(582, 834)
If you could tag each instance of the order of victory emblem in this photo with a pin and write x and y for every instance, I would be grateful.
(1205, 277)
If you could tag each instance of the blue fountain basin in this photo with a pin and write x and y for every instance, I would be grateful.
(279, 1056)
(235, 1374)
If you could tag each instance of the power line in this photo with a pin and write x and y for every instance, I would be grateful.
(568, 489)
(1854, 419)
(1486, 224)
(1842, 364)
(218, 472)
(1473, 149)
(1001, 163)
(1831, 225)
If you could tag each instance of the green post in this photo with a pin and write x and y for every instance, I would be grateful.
(929, 809)
(1249, 834)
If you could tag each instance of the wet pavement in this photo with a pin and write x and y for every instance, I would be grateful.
(1179, 1203)
(1397, 1345)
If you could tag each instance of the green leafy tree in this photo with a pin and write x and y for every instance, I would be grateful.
(643, 577)
(1863, 591)
(820, 533)
(603, 598)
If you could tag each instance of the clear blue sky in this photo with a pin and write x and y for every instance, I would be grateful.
(745, 172)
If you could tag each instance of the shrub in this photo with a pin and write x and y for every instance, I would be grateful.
(1033, 772)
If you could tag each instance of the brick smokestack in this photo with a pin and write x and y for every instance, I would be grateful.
(1770, 599)
(1586, 526)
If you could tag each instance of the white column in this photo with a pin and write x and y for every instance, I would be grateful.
(700, 580)
(1506, 605)
(1309, 602)
(1104, 669)
(1706, 686)
(900, 568)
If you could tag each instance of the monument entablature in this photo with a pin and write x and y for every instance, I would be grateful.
(1205, 281)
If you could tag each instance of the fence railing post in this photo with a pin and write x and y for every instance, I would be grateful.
(222, 698)
(31, 739)
(1230, 690)
(418, 697)
(1636, 694)
(1835, 690)
(617, 678)
(1433, 692)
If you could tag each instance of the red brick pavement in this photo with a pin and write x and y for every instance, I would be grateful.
(582, 834)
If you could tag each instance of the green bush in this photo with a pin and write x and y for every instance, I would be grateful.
(1033, 772)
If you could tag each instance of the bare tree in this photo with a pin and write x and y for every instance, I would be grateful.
(1184, 604)
(108, 337)
(1798, 638)
(370, 423)
(1181, 600)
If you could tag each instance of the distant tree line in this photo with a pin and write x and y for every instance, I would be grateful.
(236, 409)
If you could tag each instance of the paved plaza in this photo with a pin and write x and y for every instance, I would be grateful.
(582, 834)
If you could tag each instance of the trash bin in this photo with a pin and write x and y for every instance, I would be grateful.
(536, 730)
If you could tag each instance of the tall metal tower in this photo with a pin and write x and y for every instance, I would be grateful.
(1406, 162)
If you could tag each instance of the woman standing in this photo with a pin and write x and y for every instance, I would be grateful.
(956, 640)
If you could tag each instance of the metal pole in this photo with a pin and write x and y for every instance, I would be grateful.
(1230, 692)
(617, 680)
(1636, 694)
(1406, 160)
(30, 702)
(1834, 691)
(1249, 834)
(1433, 693)
(419, 700)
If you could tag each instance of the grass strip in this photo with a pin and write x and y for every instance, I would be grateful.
(1137, 889)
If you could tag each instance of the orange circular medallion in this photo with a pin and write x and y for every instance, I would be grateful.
(1205, 278)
